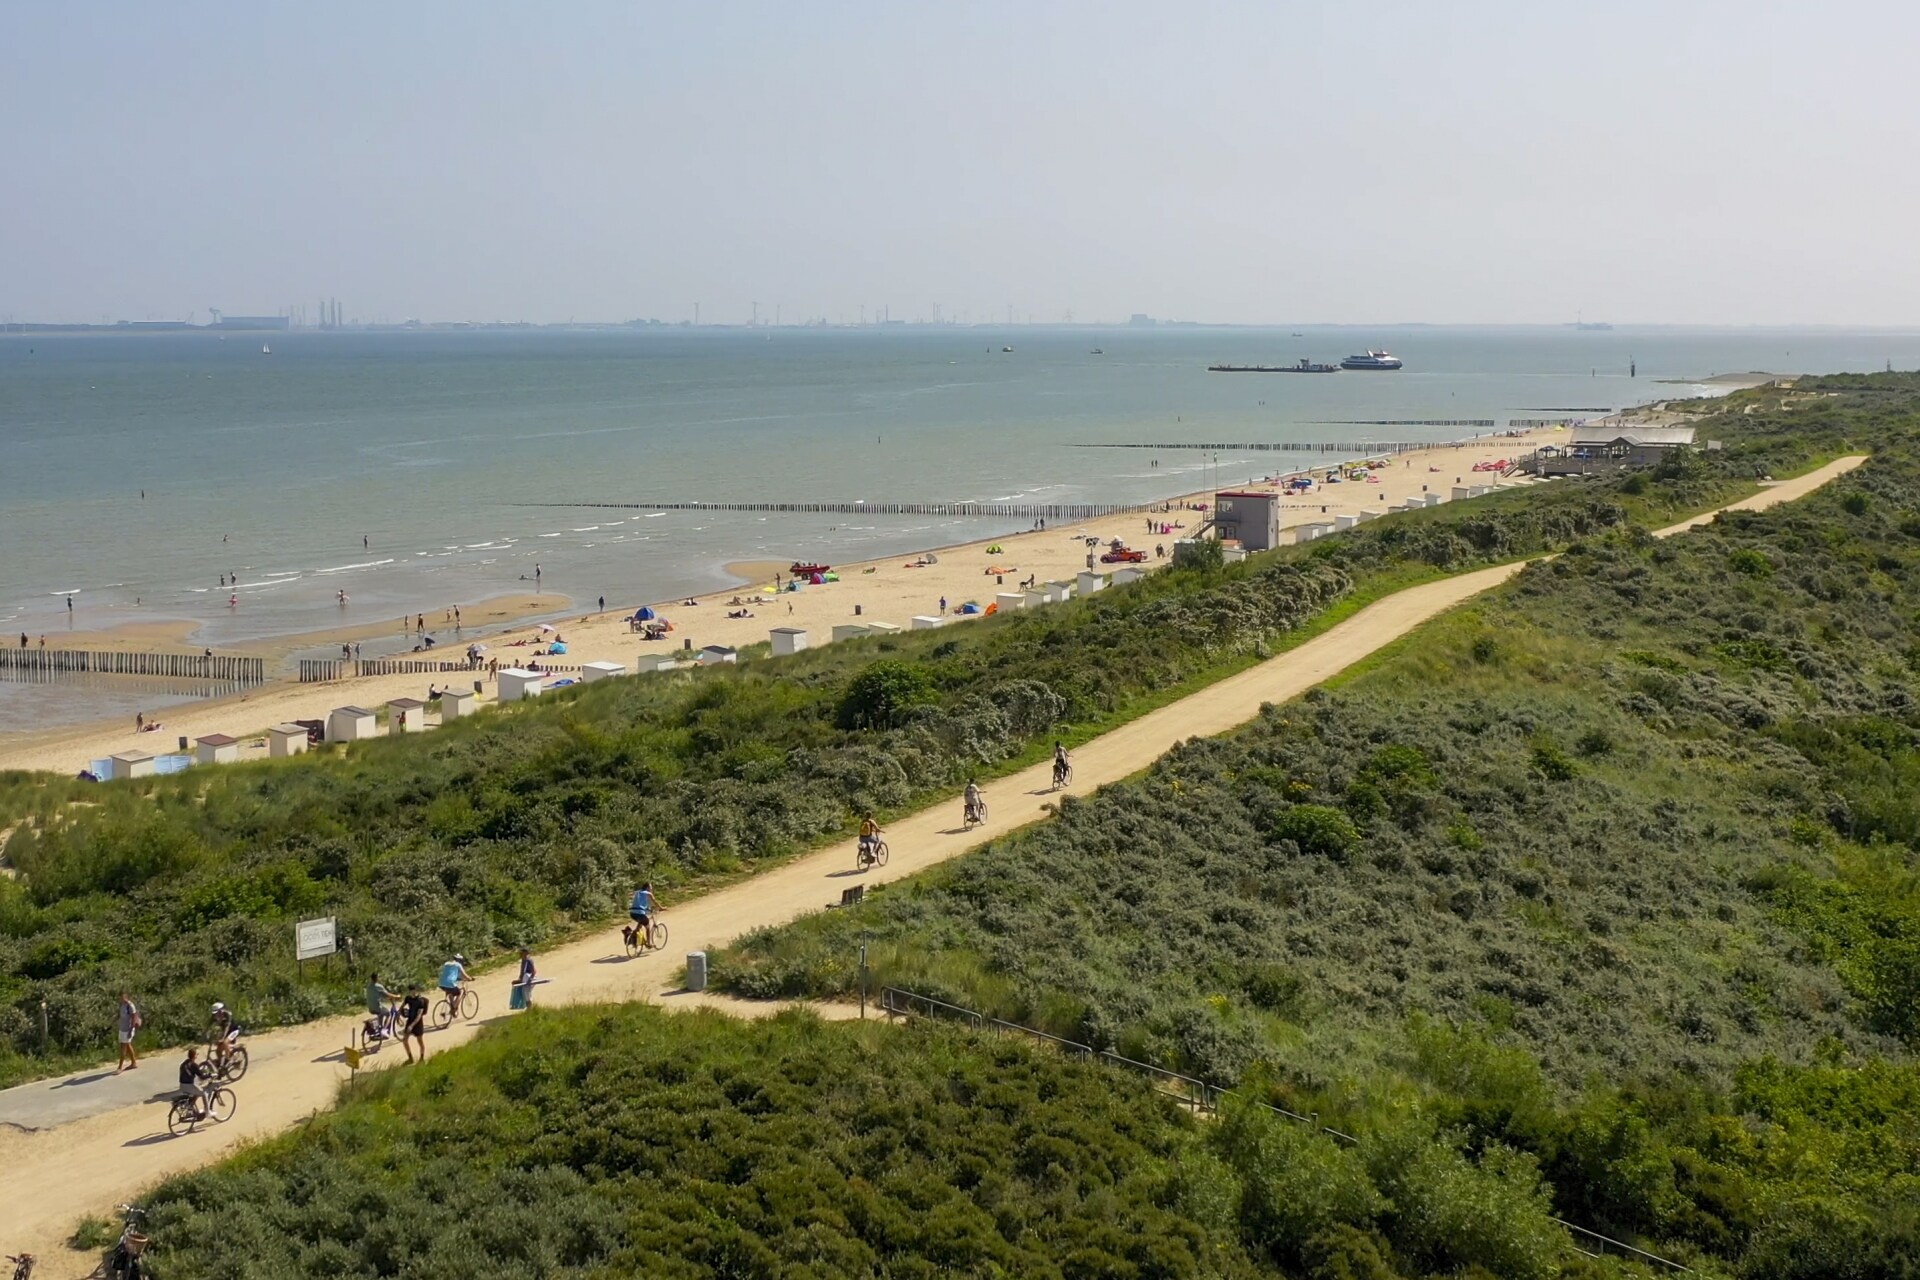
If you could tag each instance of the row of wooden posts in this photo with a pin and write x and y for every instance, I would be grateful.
(52, 663)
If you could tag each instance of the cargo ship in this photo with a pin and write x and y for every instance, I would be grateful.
(1372, 360)
(1305, 366)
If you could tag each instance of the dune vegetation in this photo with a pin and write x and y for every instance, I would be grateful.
(523, 824)
(1609, 876)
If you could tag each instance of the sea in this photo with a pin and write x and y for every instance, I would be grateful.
(416, 470)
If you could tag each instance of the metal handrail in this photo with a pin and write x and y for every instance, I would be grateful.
(1203, 1094)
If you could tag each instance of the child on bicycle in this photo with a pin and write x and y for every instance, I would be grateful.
(641, 910)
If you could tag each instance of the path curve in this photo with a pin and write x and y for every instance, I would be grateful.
(95, 1139)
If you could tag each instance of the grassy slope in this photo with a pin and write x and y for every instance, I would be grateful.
(523, 825)
(629, 1141)
(1615, 866)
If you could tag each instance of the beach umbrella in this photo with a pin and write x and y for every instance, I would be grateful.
(548, 626)
(818, 580)
(646, 613)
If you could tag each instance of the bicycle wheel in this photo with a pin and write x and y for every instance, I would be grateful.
(221, 1104)
(236, 1064)
(657, 937)
(880, 854)
(180, 1119)
(442, 1014)
(469, 1004)
(983, 813)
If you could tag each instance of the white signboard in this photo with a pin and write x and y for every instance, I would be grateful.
(313, 939)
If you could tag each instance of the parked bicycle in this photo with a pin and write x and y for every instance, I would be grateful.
(218, 1106)
(640, 941)
(445, 1009)
(124, 1263)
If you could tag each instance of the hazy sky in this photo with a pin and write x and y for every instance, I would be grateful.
(1673, 161)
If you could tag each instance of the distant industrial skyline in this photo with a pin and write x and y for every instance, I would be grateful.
(1485, 162)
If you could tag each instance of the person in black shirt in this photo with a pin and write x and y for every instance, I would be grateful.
(413, 1022)
(192, 1072)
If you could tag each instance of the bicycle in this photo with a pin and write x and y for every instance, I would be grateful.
(639, 941)
(870, 854)
(1062, 775)
(22, 1265)
(124, 1262)
(229, 1067)
(976, 815)
(183, 1119)
(444, 1009)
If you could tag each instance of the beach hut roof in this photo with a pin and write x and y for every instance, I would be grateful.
(132, 757)
(220, 739)
(405, 704)
(353, 711)
(716, 648)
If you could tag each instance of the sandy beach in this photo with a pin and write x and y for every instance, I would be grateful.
(890, 590)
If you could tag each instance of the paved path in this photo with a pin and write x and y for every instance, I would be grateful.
(84, 1142)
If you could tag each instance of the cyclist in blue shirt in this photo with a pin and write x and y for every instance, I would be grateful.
(452, 974)
(642, 908)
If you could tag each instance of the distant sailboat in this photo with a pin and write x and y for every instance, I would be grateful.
(265, 350)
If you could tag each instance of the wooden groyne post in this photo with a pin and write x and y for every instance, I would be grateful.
(51, 664)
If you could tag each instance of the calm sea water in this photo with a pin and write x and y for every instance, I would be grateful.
(275, 467)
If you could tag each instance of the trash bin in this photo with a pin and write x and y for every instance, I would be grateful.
(697, 971)
(856, 610)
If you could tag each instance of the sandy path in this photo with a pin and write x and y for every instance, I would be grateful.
(891, 593)
(49, 1177)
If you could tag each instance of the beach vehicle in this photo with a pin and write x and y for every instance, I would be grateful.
(639, 943)
(1372, 360)
(444, 1010)
(221, 1104)
(800, 570)
(1123, 555)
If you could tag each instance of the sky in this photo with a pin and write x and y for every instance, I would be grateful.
(1470, 162)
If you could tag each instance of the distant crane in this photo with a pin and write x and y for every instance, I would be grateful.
(215, 313)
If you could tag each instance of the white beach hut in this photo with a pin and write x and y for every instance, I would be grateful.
(592, 671)
(1089, 582)
(406, 715)
(1121, 577)
(926, 622)
(132, 764)
(1059, 592)
(517, 683)
(1365, 516)
(455, 703)
(1010, 600)
(349, 724)
(285, 740)
(655, 662)
(216, 748)
(850, 631)
(788, 640)
(883, 628)
(715, 654)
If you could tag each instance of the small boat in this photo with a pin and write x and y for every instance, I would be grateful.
(1296, 335)
(1006, 350)
(1096, 352)
(265, 350)
(1372, 360)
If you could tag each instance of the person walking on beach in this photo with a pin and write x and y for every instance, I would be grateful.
(456, 617)
(536, 574)
(943, 606)
(356, 651)
(129, 1024)
(523, 983)
(23, 639)
(69, 606)
(603, 604)
(366, 543)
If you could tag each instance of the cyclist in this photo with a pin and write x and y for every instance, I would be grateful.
(1060, 764)
(641, 910)
(869, 836)
(973, 801)
(379, 1004)
(192, 1072)
(452, 974)
(222, 1034)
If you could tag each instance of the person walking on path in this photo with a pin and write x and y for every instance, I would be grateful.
(413, 1022)
(129, 1026)
(523, 983)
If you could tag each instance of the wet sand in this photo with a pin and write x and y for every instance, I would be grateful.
(894, 590)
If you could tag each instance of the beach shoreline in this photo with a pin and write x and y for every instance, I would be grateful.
(894, 589)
